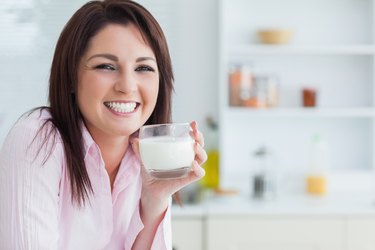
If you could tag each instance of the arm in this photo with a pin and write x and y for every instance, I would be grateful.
(155, 200)
(156, 233)
(28, 192)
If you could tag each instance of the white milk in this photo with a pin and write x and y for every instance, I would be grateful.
(165, 152)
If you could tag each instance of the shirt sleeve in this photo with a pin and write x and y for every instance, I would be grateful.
(163, 235)
(29, 190)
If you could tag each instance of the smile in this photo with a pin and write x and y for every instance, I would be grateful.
(121, 107)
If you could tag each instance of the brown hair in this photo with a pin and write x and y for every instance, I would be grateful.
(71, 45)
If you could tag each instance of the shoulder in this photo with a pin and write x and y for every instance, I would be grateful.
(33, 122)
(33, 118)
(31, 155)
(32, 132)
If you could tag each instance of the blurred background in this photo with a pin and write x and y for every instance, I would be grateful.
(284, 92)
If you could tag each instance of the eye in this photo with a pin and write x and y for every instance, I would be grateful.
(108, 67)
(144, 68)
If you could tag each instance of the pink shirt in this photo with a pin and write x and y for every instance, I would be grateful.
(36, 211)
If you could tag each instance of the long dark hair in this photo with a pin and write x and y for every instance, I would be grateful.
(71, 45)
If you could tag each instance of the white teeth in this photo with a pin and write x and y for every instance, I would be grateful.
(121, 106)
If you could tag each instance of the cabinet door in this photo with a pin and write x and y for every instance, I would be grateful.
(275, 233)
(187, 234)
(360, 234)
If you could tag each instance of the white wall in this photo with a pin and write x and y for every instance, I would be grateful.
(25, 59)
(195, 61)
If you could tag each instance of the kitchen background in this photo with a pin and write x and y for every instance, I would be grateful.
(290, 113)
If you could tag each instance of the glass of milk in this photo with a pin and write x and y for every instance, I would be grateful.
(167, 150)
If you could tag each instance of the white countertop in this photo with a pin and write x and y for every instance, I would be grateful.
(288, 205)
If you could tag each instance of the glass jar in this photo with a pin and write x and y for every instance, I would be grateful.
(264, 178)
(264, 91)
(309, 96)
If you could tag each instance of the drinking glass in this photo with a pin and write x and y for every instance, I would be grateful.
(167, 150)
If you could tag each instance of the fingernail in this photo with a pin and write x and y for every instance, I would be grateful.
(201, 171)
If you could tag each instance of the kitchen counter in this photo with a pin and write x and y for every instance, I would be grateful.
(335, 222)
(294, 205)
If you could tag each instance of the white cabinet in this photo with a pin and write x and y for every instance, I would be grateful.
(187, 233)
(360, 234)
(332, 51)
(275, 233)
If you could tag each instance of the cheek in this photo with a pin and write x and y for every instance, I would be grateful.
(91, 88)
(88, 93)
(83, 100)
(153, 92)
(150, 90)
(156, 92)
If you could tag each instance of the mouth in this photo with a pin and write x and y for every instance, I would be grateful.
(122, 107)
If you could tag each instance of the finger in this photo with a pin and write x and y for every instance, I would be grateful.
(196, 173)
(197, 170)
(199, 138)
(171, 186)
(200, 154)
(196, 134)
(194, 125)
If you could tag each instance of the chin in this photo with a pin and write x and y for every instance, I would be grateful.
(127, 132)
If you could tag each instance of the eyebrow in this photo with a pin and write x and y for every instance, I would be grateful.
(108, 56)
(115, 58)
(140, 59)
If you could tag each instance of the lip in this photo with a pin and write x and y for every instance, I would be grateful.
(120, 113)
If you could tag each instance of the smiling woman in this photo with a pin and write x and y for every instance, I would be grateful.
(122, 77)
(70, 176)
(120, 84)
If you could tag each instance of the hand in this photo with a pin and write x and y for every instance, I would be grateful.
(156, 191)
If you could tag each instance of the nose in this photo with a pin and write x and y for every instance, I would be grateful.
(127, 82)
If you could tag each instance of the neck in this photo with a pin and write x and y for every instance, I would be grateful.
(112, 150)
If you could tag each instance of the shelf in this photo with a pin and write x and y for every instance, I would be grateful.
(337, 60)
(242, 50)
(303, 112)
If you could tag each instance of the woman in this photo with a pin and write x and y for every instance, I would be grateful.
(70, 177)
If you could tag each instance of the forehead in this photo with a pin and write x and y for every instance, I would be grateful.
(119, 38)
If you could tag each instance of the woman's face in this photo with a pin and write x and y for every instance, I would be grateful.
(118, 82)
